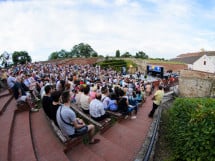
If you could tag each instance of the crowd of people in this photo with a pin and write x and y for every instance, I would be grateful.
(94, 89)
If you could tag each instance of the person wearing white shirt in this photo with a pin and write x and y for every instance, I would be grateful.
(96, 108)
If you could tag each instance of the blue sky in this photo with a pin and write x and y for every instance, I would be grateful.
(160, 28)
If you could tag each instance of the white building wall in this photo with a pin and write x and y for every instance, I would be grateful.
(190, 66)
(200, 66)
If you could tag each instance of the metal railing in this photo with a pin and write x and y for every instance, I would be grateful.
(152, 142)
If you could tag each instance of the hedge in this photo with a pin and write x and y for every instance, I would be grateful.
(191, 129)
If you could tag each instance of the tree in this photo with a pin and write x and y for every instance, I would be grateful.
(83, 50)
(117, 53)
(94, 54)
(59, 54)
(126, 55)
(62, 54)
(20, 57)
(142, 55)
(4, 59)
(53, 55)
(80, 50)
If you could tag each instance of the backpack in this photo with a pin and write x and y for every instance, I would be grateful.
(112, 106)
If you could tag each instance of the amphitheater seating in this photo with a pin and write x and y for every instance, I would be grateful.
(22, 106)
(68, 142)
(102, 125)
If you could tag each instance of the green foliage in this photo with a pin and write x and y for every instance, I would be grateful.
(126, 55)
(117, 53)
(4, 58)
(191, 129)
(53, 55)
(80, 50)
(59, 55)
(20, 57)
(141, 55)
(83, 50)
(107, 57)
(116, 64)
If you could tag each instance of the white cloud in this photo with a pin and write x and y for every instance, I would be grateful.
(160, 28)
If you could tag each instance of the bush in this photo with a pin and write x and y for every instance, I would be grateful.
(191, 129)
(116, 64)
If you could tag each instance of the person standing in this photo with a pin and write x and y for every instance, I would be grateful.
(148, 89)
(157, 98)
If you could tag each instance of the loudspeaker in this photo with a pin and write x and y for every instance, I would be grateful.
(161, 74)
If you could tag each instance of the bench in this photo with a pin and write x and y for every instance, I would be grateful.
(22, 106)
(102, 125)
(68, 142)
(119, 116)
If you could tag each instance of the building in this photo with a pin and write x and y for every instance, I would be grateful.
(200, 61)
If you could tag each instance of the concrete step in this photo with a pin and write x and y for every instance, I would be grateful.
(127, 138)
(6, 121)
(123, 140)
(5, 100)
(83, 153)
(48, 146)
(22, 148)
(105, 147)
(4, 93)
(100, 151)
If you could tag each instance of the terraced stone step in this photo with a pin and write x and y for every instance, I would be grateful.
(21, 148)
(83, 153)
(47, 145)
(5, 100)
(6, 121)
(4, 93)
(126, 138)
(105, 149)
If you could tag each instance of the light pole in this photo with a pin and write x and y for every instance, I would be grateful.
(130, 67)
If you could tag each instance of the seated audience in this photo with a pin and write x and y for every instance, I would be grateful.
(93, 90)
(69, 124)
(112, 106)
(96, 108)
(47, 101)
(148, 89)
(21, 95)
(85, 99)
(105, 97)
(55, 96)
(124, 107)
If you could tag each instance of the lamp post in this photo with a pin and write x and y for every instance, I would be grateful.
(130, 68)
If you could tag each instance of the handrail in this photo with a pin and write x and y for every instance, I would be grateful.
(155, 131)
(152, 140)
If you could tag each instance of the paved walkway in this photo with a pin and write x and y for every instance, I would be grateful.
(29, 137)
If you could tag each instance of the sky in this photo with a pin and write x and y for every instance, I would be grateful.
(160, 28)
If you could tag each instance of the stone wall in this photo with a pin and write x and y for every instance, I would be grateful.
(196, 84)
(72, 61)
(173, 67)
(142, 64)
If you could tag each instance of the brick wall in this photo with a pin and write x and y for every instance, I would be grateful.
(173, 67)
(72, 61)
(196, 84)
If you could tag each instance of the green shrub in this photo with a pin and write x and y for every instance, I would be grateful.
(191, 129)
(116, 64)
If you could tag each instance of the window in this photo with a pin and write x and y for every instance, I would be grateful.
(204, 62)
